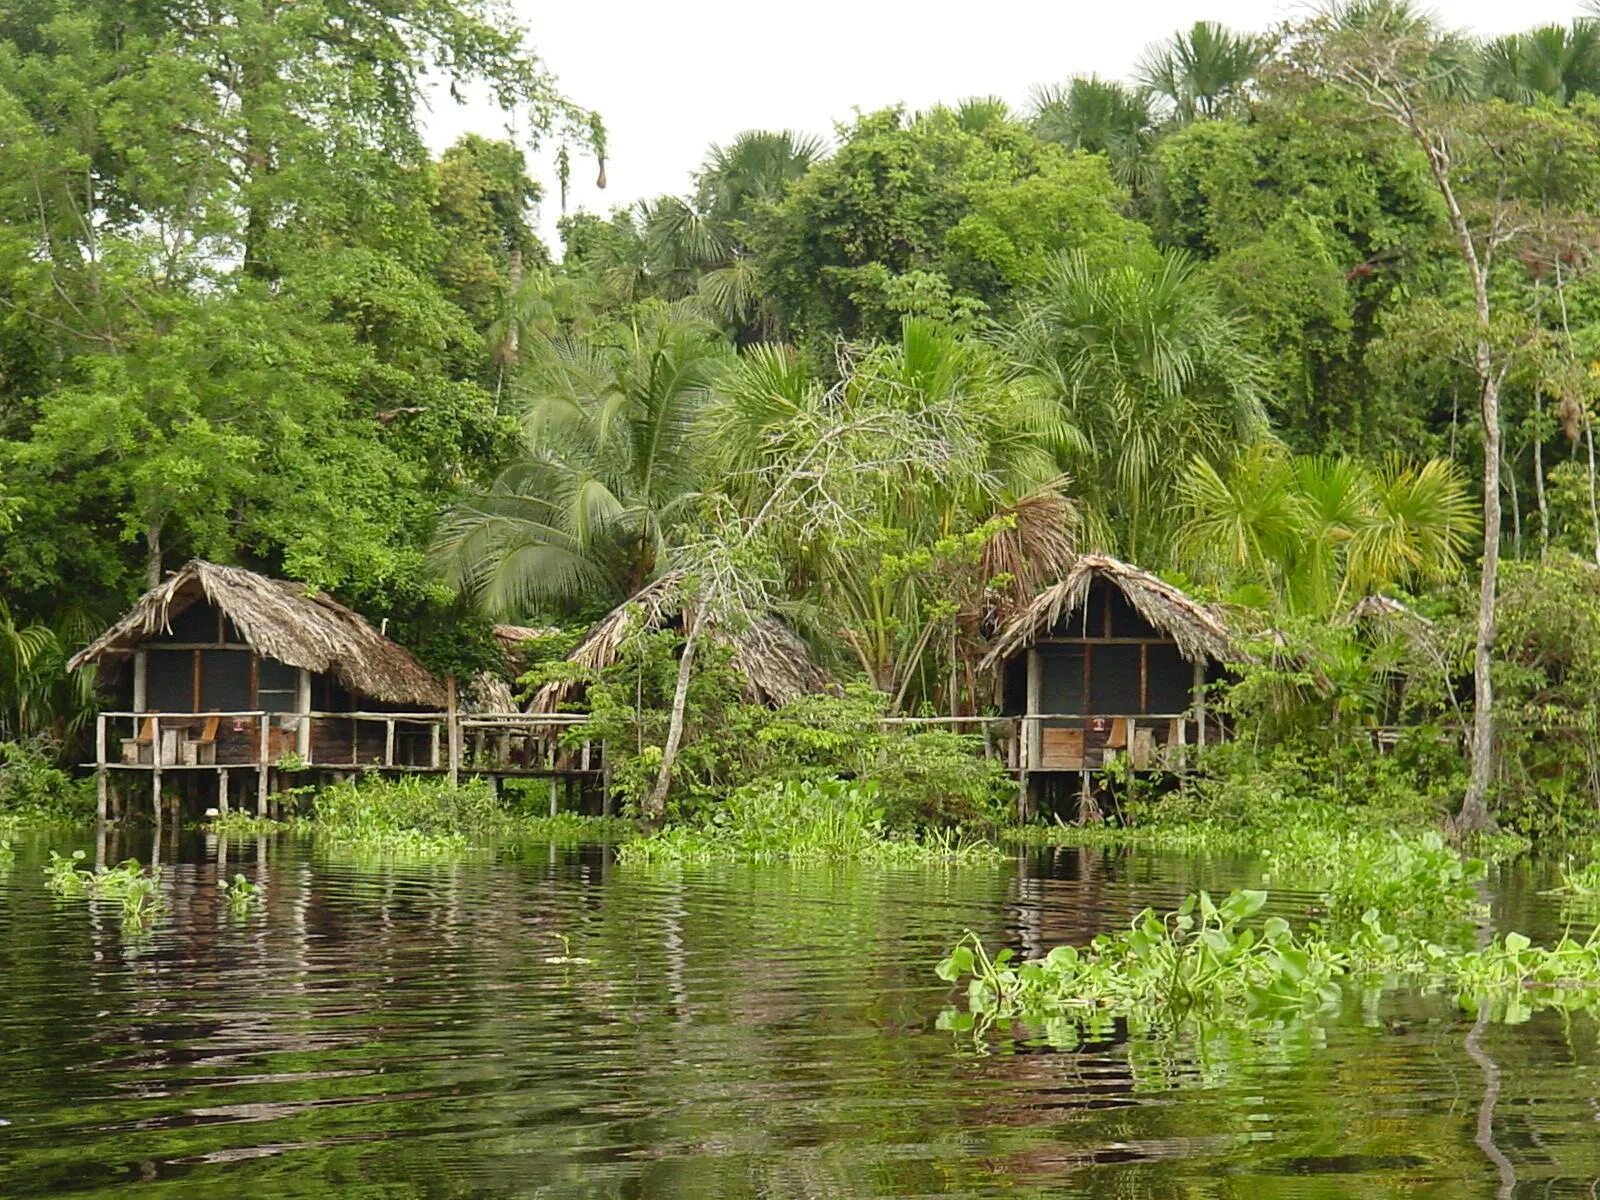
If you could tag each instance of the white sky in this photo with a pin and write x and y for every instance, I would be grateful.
(671, 77)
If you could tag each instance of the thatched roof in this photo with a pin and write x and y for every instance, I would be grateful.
(287, 622)
(1197, 629)
(775, 661)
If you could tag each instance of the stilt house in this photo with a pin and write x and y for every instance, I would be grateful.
(774, 661)
(220, 667)
(1109, 662)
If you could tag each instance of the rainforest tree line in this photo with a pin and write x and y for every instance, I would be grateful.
(1295, 318)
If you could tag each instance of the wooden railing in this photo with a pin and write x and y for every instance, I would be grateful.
(512, 743)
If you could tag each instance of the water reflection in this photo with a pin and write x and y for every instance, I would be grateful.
(396, 1031)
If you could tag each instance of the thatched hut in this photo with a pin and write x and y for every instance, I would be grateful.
(775, 662)
(1109, 660)
(213, 639)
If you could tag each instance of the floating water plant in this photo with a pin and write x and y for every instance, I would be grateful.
(240, 895)
(137, 890)
(1203, 961)
(566, 957)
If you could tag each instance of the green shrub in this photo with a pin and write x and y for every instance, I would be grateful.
(34, 787)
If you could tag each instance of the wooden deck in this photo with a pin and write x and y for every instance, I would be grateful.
(273, 746)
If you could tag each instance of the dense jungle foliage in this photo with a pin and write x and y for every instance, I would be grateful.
(1295, 319)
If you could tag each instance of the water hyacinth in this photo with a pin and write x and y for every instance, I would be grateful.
(128, 883)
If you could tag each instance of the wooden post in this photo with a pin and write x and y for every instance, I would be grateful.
(261, 768)
(1035, 686)
(102, 773)
(141, 680)
(222, 792)
(550, 763)
(155, 769)
(302, 704)
(388, 742)
(1200, 703)
(453, 730)
(433, 749)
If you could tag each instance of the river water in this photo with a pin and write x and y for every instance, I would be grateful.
(409, 1031)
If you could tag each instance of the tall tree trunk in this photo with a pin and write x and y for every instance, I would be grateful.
(655, 804)
(1474, 815)
(152, 555)
(1538, 475)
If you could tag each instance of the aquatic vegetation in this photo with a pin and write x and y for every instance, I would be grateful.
(805, 821)
(566, 957)
(1580, 882)
(1413, 880)
(240, 895)
(1202, 961)
(237, 824)
(569, 828)
(393, 845)
(8, 856)
(137, 890)
(377, 807)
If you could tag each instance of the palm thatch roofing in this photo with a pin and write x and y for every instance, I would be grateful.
(287, 622)
(775, 662)
(1197, 629)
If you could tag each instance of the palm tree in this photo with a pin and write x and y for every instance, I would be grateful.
(38, 695)
(751, 172)
(609, 470)
(701, 247)
(1146, 371)
(1100, 116)
(1202, 72)
(1321, 532)
(1556, 62)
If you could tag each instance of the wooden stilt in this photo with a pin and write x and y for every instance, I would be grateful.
(102, 773)
(453, 720)
(261, 767)
(222, 792)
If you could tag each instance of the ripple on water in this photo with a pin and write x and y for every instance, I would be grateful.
(739, 1031)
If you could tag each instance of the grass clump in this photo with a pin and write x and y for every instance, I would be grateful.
(804, 821)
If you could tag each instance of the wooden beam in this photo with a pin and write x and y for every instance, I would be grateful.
(453, 731)
(141, 680)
